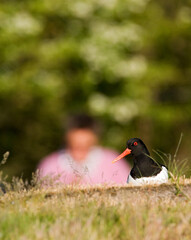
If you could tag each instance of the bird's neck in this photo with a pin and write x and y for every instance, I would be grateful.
(142, 157)
(144, 166)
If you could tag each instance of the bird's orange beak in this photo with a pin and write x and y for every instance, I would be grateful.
(123, 154)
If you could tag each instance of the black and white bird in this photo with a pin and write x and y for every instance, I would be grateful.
(145, 170)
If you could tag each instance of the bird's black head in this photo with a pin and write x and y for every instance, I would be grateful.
(137, 147)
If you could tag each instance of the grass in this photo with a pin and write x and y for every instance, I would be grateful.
(176, 168)
(123, 212)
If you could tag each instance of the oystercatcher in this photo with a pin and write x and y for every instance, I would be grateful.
(145, 170)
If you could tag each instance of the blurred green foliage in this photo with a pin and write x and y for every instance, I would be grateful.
(126, 62)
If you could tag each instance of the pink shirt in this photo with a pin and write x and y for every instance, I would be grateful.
(97, 168)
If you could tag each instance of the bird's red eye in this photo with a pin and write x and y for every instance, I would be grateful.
(135, 143)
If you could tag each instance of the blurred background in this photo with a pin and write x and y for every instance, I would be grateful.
(128, 63)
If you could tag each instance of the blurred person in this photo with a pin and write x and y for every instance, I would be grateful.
(83, 161)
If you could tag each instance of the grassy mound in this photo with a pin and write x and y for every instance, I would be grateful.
(121, 212)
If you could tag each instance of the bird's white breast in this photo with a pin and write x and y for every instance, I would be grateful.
(161, 177)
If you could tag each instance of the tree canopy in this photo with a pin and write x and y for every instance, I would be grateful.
(128, 63)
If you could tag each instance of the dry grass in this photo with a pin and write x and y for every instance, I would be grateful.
(121, 212)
